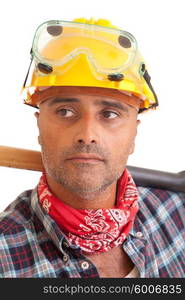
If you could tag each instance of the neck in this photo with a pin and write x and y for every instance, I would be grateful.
(100, 199)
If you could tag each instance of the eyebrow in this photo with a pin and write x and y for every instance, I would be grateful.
(113, 104)
(57, 100)
(109, 103)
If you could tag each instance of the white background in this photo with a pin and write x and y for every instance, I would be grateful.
(159, 27)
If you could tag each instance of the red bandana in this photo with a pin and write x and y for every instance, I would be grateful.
(94, 230)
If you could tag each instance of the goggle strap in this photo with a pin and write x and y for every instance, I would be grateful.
(147, 78)
(28, 71)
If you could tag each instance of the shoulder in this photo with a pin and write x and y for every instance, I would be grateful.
(161, 220)
(18, 238)
(17, 214)
(162, 206)
(157, 197)
(160, 195)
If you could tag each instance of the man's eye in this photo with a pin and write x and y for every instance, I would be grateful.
(108, 114)
(65, 112)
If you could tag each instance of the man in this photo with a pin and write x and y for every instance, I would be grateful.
(86, 218)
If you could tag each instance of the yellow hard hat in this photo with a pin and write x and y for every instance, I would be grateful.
(87, 53)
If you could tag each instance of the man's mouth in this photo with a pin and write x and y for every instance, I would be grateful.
(85, 158)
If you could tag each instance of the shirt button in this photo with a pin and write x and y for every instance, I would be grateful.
(85, 265)
(65, 244)
(139, 234)
(65, 258)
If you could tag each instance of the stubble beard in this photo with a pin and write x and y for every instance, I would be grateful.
(83, 179)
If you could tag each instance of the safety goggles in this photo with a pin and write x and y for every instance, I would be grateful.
(108, 50)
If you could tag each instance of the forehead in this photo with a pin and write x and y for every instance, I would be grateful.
(53, 95)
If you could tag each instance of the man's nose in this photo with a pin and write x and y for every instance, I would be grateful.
(87, 132)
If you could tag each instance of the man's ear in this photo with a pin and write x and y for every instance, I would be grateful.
(133, 144)
(138, 122)
(132, 148)
(36, 114)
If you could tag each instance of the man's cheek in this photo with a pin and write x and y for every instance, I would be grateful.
(50, 137)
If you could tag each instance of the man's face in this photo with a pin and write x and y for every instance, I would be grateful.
(86, 139)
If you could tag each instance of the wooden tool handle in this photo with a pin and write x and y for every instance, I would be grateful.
(20, 158)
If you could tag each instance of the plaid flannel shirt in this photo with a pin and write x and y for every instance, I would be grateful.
(32, 245)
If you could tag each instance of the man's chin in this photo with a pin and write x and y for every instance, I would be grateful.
(84, 193)
(84, 187)
(84, 173)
